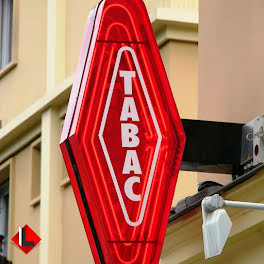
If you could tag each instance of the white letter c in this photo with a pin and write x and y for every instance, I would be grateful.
(129, 189)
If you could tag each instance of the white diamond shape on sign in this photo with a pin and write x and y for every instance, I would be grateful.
(155, 156)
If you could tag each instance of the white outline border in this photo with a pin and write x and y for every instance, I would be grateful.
(155, 157)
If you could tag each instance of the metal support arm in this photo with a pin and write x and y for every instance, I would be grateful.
(216, 201)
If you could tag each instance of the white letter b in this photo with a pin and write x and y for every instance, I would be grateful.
(129, 138)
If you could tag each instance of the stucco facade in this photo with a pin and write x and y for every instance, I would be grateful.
(35, 88)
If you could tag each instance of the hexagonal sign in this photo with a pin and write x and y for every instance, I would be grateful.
(122, 139)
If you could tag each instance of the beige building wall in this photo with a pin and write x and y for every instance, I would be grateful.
(230, 63)
(76, 13)
(23, 212)
(33, 102)
(75, 245)
(231, 60)
(25, 83)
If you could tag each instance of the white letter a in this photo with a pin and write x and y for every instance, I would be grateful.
(129, 110)
(131, 163)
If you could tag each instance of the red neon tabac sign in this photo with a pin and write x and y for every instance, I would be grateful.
(122, 139)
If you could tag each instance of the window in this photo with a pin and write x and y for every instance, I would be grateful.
(4, 197)
(35, 173)
(5, 189)
(6, 32)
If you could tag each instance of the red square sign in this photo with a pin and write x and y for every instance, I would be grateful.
(26, 239)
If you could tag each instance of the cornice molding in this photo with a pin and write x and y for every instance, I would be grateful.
(175, 24)
(24, 127)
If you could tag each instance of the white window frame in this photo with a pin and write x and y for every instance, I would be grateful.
(6, 32)
(4, 200)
